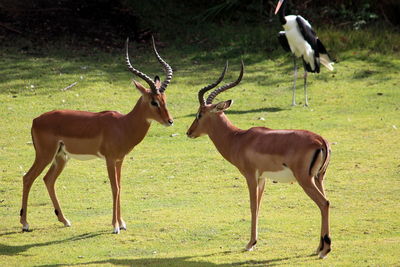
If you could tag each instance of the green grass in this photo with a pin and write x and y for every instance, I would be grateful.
(183, 204)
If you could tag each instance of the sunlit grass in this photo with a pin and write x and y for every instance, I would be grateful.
(183, 204)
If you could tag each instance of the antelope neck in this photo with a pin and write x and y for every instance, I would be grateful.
(137, 122)
(222, 132)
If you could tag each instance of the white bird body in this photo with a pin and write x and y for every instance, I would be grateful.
(298, 46)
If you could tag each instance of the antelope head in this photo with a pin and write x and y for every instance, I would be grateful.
(207, 110)
(154, 96)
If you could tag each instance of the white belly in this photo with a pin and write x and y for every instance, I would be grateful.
(80, 156)
(282, 176)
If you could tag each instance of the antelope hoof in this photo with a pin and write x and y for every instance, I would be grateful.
(251, 245)
(322, 255)
(122, 226)
(25, 228)
(67, 223)
(325, 247)
(116, 230)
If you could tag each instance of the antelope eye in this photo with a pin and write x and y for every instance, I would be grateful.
(154, 103)
(198, 116)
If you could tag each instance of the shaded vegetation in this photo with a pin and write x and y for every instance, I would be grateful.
(105, 23)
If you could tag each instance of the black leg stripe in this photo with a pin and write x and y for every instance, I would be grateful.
(314, 159)
(327, 239)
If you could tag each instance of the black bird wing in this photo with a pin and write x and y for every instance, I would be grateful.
(308, 68)
(320, 53)
(308, 34)
(283, 41)
(322, 49)
(311, 37)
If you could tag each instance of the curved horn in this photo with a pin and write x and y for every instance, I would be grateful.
(225, 87)
(167, 68)
(137, 72)
(211, 86)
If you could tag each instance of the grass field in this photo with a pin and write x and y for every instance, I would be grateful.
(184, 205)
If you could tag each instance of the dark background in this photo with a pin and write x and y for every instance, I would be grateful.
(106, 23)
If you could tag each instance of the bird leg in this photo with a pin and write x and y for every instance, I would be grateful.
(305, 89)
(294, 81)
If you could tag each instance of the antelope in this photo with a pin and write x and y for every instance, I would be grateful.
(260, 153)
(62, 134)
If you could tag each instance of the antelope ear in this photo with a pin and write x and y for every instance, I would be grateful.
(157, 82)
(222, 106)
(140, 87)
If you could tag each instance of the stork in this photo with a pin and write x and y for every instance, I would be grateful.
(300, 39)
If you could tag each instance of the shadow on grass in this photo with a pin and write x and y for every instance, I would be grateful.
(189, 261)
(8, 250)
(10, 233)
(25, 63)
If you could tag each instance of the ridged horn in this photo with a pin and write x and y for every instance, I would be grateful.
(146, 78)
(221, 89)
(211, 86)
(167, 68)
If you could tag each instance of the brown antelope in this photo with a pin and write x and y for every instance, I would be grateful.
(260, 153)
(62, 134)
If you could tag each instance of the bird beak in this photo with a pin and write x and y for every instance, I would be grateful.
(278, 6)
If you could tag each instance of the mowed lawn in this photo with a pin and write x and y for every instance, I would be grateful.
(184, 205)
